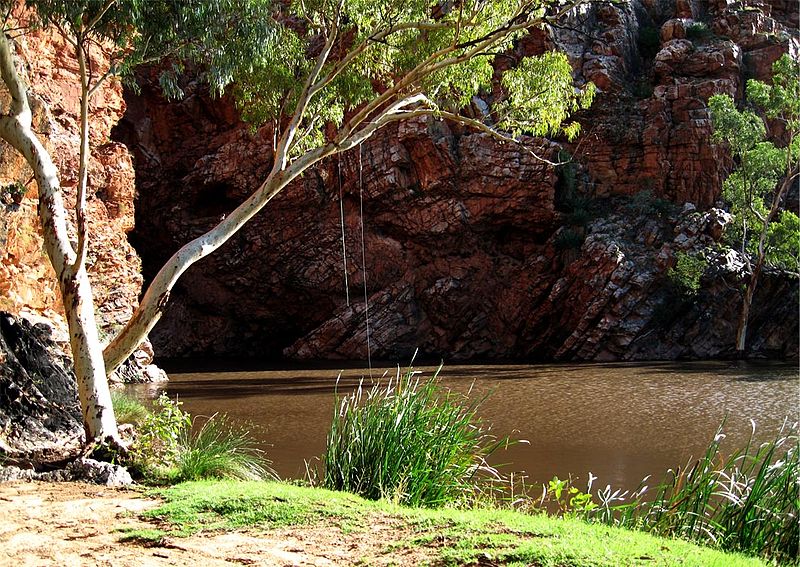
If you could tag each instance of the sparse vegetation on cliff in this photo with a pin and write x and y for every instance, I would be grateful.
(685, 276)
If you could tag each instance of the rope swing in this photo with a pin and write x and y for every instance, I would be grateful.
(344, 246)
(364, 255)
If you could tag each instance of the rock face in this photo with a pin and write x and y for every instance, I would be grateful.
(27, 282)
(40, 419)
(473, 249)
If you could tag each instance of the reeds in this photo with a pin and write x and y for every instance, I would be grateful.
(409, 441)
(746, 501)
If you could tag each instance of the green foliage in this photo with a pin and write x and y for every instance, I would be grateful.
(746, 500)
(549, 79)
(407, 441)
(698, 31)
(158, 443)
(166, 449)
(571, 501)
(270, 48)
(754, 185)
(15, 190)
(220, 449)
(128, 409)
(645, 203)
(783, 241)
(223, 35)
(686, 274)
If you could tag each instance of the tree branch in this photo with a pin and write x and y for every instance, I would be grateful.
(285, 141)
(83, 167)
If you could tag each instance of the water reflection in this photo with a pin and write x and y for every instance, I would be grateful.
(619, 421)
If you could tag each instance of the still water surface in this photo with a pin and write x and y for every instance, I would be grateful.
(619, 421)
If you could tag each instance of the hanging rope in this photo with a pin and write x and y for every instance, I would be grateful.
(364, 255)
(344, 246)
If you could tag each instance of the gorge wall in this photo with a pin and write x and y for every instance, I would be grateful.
(471, 247)
(27, 281)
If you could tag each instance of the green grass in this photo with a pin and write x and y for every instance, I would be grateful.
(408, 441)
(128, 409)
(220, 449)
(457, 537)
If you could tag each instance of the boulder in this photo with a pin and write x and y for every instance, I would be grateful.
(83, 470)
(40, 418)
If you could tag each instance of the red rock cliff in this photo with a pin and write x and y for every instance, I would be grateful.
(27, 282)
(474, 249)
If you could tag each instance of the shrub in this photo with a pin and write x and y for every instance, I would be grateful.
(128, 409)
(166, 449)
(568, 240)
(14, 191)
(645, 203)
(158, 443)
(698, 31)
(685, 276)
(408, 441)
(579, 217)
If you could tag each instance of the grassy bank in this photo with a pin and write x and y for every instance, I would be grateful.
(449, 537)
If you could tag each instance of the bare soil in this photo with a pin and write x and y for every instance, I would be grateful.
(78, 524)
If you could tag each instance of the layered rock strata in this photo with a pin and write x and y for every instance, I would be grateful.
(472, 248)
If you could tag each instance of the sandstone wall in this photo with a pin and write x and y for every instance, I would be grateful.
(464, 237)
(27, 282)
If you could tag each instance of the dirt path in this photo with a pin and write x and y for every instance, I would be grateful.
(73, 524)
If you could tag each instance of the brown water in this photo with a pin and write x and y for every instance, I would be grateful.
(619, 421)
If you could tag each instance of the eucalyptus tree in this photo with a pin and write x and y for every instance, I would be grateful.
(764, 172)
(326, 74)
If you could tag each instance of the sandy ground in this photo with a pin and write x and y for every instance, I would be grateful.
(74, 524)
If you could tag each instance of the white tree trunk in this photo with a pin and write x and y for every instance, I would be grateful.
(15, 129)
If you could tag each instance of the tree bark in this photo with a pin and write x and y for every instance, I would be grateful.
(73, 280)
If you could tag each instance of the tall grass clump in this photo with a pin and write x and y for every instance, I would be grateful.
(744, 501)
(169, 448)
(128, 409)
(219, 449)
(409, 441)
